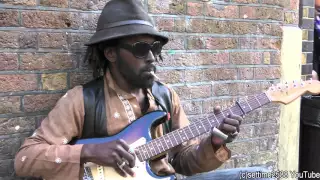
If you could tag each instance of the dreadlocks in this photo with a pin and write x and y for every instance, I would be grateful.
(96, 58)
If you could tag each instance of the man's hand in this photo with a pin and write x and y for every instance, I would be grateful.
(230, 126)
(115, 154)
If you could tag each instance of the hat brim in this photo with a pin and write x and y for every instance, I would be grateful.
(124, 31)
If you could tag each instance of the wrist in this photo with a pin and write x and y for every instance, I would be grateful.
(86, 154)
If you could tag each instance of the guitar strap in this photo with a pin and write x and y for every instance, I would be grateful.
(95, 119)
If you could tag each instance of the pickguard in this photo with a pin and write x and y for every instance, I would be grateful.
(107, 173)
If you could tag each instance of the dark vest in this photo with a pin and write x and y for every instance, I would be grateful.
(95, 112)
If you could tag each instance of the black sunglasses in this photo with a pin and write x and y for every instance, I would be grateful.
(141, 49)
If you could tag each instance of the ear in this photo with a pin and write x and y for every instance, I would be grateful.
(110, 54)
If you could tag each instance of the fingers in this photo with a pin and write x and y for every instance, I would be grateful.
(231, 124)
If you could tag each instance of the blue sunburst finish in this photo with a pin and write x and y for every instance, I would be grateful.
(136, 130)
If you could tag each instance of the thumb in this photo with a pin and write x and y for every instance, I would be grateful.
(217, 110)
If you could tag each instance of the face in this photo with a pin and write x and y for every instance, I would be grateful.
(135, 64)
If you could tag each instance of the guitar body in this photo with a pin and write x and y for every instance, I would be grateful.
(136, 134)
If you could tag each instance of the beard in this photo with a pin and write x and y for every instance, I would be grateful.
(139, 78)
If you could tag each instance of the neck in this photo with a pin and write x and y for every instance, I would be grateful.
(123, 83)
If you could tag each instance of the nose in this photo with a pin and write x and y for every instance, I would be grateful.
(150, 57)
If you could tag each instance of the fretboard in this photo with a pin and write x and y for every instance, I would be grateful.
(198, 127)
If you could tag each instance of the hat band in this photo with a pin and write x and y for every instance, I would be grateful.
(128, 22)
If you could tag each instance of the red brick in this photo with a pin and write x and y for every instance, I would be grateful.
(9, 39)
(9, 18)
(9, 125)
(249, 12)
(258, 43)
(28, 40)
(245, 1)
(236, 89)
(221, 43)
(209, 105)
(180, 25)
(270, 29)
(196, 42)
(21, 82)
(49, 19)
(88, 4)
(77, 41)
(54, 3)
(9, 61)
(245, 57)
(9, 104)
(193, 92)
(276, 58)
(245, 73)
(220, 74)
(267, 72)
(53, 40)
(171, 76)
(194, 75)
(20, 2)
(192, 107)
(86, 21)
(40, 102)
(167, 6)
(165, 24)
(194, 59)
(195, 9)
(175, 42)
(46, 61)
(222, 11)
(79, 78)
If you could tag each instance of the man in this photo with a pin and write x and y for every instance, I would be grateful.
(123, 51)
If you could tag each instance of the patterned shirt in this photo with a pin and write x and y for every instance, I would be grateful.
(47, 153)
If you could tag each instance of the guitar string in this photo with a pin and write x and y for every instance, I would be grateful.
(235, 110)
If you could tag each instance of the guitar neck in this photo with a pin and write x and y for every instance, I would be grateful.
(198, 127)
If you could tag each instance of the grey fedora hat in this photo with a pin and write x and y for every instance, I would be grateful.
(121, 18)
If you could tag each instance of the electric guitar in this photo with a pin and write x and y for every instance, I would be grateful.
(137, 134)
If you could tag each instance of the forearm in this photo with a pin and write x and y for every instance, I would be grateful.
(49, 161)
(200, 157)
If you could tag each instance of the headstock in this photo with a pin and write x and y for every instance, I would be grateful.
(289, 91)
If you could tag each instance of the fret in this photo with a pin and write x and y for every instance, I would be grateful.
(209, 121)
(175, 139)
(146, 151)
(191, 131)
(152, 148)
(195, 124)
(248, 103)
(165, 141)
(155, 147)
(202, 126)
(229, 111)
(141, 153)
(183, 137)
(257, 100)
(160, 144)
(169, 140)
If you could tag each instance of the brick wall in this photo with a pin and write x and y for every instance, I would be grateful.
(219, 51)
